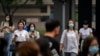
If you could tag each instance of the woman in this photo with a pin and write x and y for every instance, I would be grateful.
(85, 32)
(69, 40)
(20, 35)
(28, 49)
(32, 32)
(8, 28)
(90, 47)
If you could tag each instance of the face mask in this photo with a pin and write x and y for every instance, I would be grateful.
(71, 25)
(32, 29)
(7, 19)
(93, 50)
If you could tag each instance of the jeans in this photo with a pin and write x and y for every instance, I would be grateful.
(8, 37)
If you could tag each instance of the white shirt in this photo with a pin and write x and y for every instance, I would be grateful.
(21, 35)
(70, 41)
(85, 32)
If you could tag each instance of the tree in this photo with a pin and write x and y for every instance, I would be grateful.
(9, 7)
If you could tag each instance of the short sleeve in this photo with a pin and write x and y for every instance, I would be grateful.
(27, 35)
(13, 35)
(90, 30)
(63, 36)
(80, 31)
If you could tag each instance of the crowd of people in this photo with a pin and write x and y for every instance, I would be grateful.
(26, 40)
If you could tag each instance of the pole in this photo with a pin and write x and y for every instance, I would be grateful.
(63, 16)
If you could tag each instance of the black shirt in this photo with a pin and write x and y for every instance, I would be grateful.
(53, 44)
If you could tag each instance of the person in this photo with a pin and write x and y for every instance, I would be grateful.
(69, 40)
(7, 28)
(3, 43)
(44, 47)
(32, 32)
(25, 26)
(52, 31)
(84, 33)
(90, 47)
(28, 48)
(20, 35)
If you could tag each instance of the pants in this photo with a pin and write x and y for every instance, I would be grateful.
(70, 54)
(8, 37)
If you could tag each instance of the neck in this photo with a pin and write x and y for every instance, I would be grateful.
(20, 29)
(71, 29)
(50, 34)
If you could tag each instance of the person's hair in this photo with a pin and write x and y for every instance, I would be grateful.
(44, 46)
(68, 25)
(28, 48)
(30, 25)
(86, 44)
(10, 20)
(19, 23)
(23, 20)
(3, 43)
(50, 25)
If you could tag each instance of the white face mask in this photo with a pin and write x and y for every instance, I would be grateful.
(32, 29)
(7, 19)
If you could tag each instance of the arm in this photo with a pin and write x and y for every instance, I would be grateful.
(38, 35)
(14, 37)
(27, 36)
(91, 32)
(62, 40)
(11, 28)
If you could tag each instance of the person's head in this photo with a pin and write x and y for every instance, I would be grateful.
(85, 24)
(53, 26)
(31, 27)
(8, 19)
(90, 46)
(44, 46)
(71, 24)
(23, 20)
(20, 25)
(28, 49)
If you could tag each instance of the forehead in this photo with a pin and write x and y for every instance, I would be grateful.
(70, 21)
(94, 42)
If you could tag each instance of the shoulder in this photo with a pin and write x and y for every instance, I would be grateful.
(16, 31)
(25, 31)
(81, 29)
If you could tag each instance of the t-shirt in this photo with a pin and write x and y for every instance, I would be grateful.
(53, 44)
(70, 41)
(85, 32)
(21, 35)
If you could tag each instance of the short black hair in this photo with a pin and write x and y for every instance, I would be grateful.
(50, 25)
(85, 22)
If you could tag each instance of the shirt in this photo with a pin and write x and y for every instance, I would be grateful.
(53, 44)
(21, 35)
(70, 41)
(85, 32)
(36, 34)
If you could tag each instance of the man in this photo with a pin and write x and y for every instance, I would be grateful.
(52, 31)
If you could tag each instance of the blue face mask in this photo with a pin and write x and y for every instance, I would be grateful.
(71, 25)
(93, 50)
